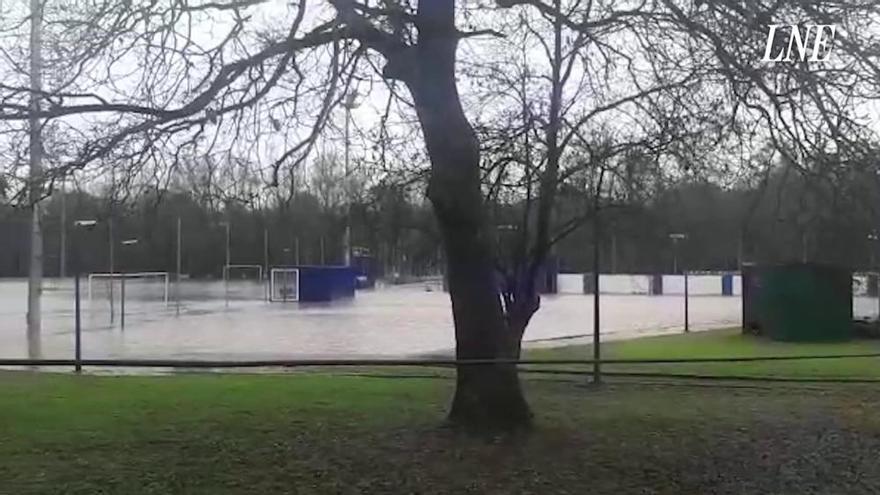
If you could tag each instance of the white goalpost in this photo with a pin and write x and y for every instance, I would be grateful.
(98, 280)
(284, 285)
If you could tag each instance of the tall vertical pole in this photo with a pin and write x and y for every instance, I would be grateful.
(296, 250)
(597, 344)
(322, 250)
(122, 299)
(874, 237)
(112, 262)
(266, 261)
(62, 252)
(687, 327)
(35, 270)
(345, 184)
(678, 236)
(597, 353)
(226, 268)
(349, 105)
(77, 261)
(177, 278)
(284, 279)
(674, 256)
(77, 324)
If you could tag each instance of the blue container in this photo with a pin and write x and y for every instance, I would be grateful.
(326, 283)
(727, 284)
(366, 271)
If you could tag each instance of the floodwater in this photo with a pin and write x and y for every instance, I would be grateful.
(397, 321)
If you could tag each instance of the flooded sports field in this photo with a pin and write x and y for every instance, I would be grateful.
(393, 321)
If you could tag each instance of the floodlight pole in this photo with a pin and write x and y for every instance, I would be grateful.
(674, 255)
(77, 329)
(284, 279)
(687, 326)
(112, 263)
(226, 268)
(266, 261)
(127, 242)
(597, 353)
(349, 105)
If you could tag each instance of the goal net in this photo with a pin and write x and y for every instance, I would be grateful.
(244, 282)
(284, 285)
(243, 272)
(144, 286)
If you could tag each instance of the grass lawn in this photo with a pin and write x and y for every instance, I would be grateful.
(730, 343)
(320, 433)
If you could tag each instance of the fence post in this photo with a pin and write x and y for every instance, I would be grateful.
(77, 325)
(687, 327)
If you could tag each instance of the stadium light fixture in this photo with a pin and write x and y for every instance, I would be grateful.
(85, 224)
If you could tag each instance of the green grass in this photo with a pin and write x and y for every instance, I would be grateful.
(323, 433)
(316, 433)
(731, 343)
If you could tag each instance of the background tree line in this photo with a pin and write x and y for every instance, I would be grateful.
(781, 217)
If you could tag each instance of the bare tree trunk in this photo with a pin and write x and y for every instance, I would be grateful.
(485, 396)
(35, 272)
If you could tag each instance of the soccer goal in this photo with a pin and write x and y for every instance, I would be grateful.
(244, 282)
(243, 272)
(284, 285)
(149, 285)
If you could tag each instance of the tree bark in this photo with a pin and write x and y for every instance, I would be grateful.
(486, 396)
(35, 189)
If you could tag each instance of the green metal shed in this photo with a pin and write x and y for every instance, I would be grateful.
(806, 302)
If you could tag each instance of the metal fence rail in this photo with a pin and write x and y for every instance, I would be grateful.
(302, 363)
